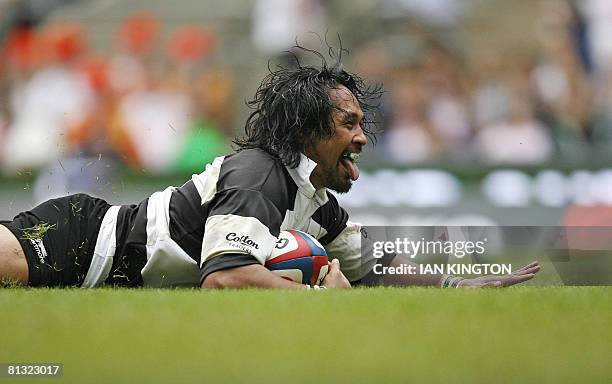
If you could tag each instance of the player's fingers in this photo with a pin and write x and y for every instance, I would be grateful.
(515, 279)
(335, 265)
(527, 271)
(530, 265)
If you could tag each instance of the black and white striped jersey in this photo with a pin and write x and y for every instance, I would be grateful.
(227, 216)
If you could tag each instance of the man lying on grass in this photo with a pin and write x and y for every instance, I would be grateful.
(304, 136)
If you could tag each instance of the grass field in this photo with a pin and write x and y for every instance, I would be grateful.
(516, 335)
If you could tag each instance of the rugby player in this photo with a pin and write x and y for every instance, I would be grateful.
(303, 137)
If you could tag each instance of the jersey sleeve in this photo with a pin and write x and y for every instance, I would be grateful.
(241, 229)
(344, 241)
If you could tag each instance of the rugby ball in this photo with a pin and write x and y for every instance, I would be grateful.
(298, 257)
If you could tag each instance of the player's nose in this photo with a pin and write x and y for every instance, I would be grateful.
(360, 138)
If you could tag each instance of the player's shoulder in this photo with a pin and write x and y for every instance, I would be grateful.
(251, 169)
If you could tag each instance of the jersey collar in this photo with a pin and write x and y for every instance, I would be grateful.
(301, 177)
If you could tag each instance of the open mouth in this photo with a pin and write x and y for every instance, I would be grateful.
(349, 160)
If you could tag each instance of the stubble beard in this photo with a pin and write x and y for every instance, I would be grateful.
(335, 182)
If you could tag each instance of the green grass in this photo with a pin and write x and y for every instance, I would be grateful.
(515, 335)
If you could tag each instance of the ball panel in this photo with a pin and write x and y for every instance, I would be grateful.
(304, 264)
(294, 275)
(315, 248)
(321, 264)
(298, 257)
(292, 244)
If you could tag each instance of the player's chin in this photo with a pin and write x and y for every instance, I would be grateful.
(341, 185)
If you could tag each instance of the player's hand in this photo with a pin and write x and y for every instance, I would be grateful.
(518, 276)
(335, 278)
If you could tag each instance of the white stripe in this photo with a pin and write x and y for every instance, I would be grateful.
(311, 226)
(346, 247)
(158, 217)
(236, 234)
(206, 182)
(106, 243)
(168, 265)
(301, 175)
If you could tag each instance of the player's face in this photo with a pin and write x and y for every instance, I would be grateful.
(336, 157)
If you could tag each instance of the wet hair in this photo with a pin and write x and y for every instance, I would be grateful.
(292, 108)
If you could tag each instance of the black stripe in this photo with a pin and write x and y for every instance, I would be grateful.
(247, 203)
(187, 219)
(253, 183)
(332, 217)
(132, 220)
(225, 261)
(131, 253)
(257, 170)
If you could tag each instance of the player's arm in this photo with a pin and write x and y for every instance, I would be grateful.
(519, 276)
(256, 275)
(353, 243)
(240, 233)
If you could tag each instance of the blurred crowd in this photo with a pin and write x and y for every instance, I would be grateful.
(504, 106)
(163, 104)
(154, 105)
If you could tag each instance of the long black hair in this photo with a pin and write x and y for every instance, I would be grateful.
(292, 108)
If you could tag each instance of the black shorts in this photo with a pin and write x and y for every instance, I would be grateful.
(58, 238)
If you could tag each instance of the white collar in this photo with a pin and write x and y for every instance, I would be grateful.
(301, 176)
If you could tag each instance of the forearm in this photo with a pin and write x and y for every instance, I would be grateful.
(254, 275)
(411, 279)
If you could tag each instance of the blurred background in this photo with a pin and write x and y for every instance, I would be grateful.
(495, 112)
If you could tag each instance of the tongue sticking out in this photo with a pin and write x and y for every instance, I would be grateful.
(351, 168)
